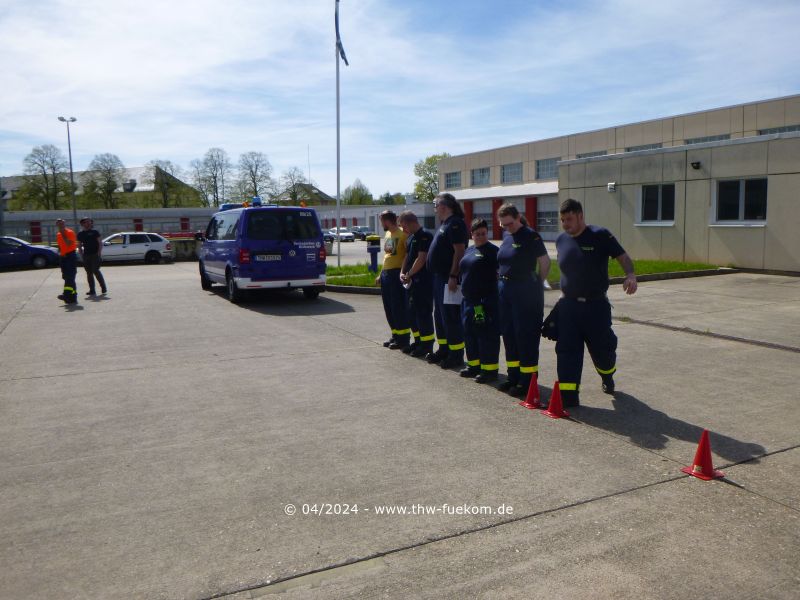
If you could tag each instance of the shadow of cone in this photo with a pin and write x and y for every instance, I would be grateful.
(702, 468)
(531, 401)
(555, 410)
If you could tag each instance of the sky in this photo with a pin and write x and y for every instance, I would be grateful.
(149, 79)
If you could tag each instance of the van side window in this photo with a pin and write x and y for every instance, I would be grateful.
(212, 229)
(230, 230)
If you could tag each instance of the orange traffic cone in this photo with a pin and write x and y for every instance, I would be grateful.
(555, 409)
(702, 467)
(532, 399)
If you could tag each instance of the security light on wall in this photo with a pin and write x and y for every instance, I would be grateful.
(696, 165)
(612, 186)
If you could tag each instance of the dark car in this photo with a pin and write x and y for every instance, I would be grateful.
(15, 252)
(361, 231)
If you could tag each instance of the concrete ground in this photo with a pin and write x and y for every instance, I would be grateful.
(156, 442)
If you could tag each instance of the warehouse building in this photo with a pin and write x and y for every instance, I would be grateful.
(720, 186)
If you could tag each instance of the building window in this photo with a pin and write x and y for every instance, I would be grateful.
(741, 200)
(547, 168)
(786, 129)
(480, 176)
(591, 154)
(707, 138)
(658, 203)
(643, 147)
(511, 173)
(452, 180)
(547, 221)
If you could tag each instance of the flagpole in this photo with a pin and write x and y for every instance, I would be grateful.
(338, 160)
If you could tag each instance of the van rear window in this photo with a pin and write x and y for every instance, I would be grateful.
(282, 225)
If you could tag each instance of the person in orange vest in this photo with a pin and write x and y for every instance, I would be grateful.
(67, 248)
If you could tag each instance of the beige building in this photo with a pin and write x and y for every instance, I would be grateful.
(720, 186)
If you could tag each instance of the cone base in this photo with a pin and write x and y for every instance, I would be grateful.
(530, 405)
(703, 476)
(554, 415)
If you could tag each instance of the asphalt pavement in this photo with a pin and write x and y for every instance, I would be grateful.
(161, 442)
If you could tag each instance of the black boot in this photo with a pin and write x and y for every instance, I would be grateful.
(469, 371)
(486, 377)
(608, 384)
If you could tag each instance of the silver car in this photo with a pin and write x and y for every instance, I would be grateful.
(137, 245)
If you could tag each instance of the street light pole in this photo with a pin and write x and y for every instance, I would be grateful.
(71, 177)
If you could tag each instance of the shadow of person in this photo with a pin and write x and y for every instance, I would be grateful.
(72, 307)
(652, 429)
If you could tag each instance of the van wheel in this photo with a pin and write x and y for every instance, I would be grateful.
(310, 293)
(205, 282)
(152, 257)
(235, 295)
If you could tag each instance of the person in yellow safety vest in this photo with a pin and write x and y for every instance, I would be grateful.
(67, 249)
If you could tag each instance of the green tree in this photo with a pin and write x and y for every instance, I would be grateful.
(45, 170)
(427, 171)
(106, 173)
(290, 181)
(357, 194)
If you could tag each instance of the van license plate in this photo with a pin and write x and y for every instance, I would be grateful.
(266, 257)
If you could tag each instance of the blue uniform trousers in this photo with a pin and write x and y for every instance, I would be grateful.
(482, 340)
(420, 312)
(395, 304)
(584, 321)
(521, 314)
(447, 318)
(69, 270)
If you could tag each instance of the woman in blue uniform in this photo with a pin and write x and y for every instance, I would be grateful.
(447, 248)
(479, 306)
(521, 298)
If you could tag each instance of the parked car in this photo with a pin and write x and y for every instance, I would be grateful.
(343, 233)
(137, 245)
(328, 236)
(15, 252)
(268, 247)
(361, 231)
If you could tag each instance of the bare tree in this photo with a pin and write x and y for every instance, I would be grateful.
(45, 170)
(106, 173)
(289, 183)
(217, 167)
(255, 175)
(163, 174)
(201, 180)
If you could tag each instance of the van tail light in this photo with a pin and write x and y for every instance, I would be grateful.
(322, 254)
(244, 256)
(169, 246)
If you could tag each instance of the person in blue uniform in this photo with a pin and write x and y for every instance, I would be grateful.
(447, 248)
(584, 313)
(415, 275)
(521, 298)
(479, 306)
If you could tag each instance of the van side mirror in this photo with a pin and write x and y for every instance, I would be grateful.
(106, 243)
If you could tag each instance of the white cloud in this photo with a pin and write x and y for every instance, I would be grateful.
(149, 79)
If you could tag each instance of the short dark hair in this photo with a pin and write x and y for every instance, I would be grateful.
(389, 215)
(408, 216)
(479, 224)
(571, 205)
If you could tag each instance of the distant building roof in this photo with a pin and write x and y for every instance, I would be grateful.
(135, 179)
(308, 193)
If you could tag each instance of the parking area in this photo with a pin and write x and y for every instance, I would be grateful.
(164, 443)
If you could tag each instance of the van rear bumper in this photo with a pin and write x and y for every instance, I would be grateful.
(247, 283)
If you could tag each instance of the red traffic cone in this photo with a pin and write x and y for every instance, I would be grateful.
(532, 399)
(555, 409)
(702, 467)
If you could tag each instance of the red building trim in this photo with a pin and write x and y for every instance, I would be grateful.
(497, 233)
(468, 212)
(531, 205)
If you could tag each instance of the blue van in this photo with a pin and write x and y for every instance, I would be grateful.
(267, 247)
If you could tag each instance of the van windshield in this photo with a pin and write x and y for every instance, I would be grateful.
(282, 225)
